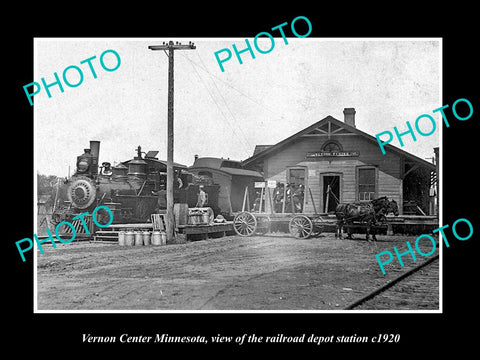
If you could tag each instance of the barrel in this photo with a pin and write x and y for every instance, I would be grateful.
(146, 237)
(121, 238)
(138, 238)
(156, 238)
(208, 216)
(129, 238)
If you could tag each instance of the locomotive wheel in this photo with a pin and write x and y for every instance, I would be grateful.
(102, 216)
(300, 227)
(245, 224)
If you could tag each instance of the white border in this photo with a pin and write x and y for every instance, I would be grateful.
(439, 178)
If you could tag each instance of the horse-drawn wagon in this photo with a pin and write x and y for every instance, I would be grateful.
(285, 206)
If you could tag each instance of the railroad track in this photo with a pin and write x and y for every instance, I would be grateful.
(416, 289)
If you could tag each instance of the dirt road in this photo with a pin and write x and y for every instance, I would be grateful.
(232, 273)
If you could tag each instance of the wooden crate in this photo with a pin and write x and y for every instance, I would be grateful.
(158, 222)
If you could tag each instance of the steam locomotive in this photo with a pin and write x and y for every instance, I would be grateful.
(132, 190)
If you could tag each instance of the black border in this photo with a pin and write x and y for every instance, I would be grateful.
(429, 332)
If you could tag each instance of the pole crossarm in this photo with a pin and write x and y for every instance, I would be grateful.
(173, 46)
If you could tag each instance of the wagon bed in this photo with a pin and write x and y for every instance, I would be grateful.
(300, 225)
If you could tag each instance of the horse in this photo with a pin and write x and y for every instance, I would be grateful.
(369, 213)
(383, 207)
(348, 213)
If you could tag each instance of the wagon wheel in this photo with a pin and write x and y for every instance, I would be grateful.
(245, 224)
(300, 226)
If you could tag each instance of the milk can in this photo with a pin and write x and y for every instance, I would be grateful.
(163, 238)
(156, 238)
(146, 237)
(138, 238)
(129, 240)
(121, 238)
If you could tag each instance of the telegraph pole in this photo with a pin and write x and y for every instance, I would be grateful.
(171, 47)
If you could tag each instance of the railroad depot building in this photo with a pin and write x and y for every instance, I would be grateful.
(336, 162)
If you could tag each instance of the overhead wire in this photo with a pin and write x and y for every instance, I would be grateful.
(218, 106)
(204, 68)
(228, 108)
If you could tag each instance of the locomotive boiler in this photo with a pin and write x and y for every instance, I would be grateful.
(132, 190)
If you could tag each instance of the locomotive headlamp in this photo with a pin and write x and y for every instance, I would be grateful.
(82, 165)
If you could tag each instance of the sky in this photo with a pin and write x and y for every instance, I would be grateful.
(225, 114)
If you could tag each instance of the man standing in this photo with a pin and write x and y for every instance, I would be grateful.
(202, 197)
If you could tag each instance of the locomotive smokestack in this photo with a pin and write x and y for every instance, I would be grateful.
(95, 151)
(95, 148)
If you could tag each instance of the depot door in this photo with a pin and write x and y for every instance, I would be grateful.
(331, 192)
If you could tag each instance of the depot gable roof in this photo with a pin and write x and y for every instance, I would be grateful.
(266, 151)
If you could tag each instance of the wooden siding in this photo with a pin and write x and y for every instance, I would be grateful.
(388, 167)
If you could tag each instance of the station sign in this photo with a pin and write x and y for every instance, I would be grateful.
(322, 154)
(272, 184)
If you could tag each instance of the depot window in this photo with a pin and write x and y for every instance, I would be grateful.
(366, 183)
(332, 145)
(296, 176)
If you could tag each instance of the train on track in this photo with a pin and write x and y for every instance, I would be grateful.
(133, 189)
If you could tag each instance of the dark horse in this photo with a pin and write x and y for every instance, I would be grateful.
(368, 213)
